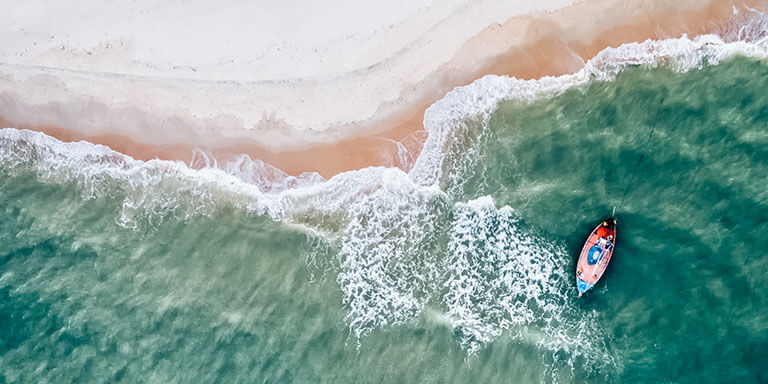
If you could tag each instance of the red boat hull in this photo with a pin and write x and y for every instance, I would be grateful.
(595, 255)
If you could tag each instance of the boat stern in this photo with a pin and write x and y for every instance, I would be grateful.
(583, 286)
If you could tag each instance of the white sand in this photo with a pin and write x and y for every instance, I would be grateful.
(285, 73)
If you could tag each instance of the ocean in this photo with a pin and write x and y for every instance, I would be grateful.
(459, 270)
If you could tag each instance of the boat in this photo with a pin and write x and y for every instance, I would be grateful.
(595, 255)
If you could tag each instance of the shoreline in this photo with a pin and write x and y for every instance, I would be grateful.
(532, 46)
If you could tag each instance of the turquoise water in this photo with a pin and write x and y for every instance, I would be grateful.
(685, 299)
(114, 270)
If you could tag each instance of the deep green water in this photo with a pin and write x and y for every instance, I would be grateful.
(470, 285)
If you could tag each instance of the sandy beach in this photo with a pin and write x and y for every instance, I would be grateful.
(304, 88)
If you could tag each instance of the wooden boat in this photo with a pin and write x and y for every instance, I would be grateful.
(595, 255)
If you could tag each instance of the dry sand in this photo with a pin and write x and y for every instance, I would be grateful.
(524, 46)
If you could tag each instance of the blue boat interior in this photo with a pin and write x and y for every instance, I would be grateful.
(594, 255)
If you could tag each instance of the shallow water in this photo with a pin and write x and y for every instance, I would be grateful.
(117, 270)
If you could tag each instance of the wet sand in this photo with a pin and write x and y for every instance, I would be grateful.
(552, 44)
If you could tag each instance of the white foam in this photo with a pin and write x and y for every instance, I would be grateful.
(264, 176)
(498, 276)
(150, 190)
